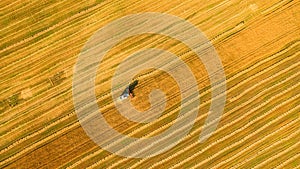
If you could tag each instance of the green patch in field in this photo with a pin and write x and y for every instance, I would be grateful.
(99, 1)
(13, 100)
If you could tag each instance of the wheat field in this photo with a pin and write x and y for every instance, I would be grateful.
(257, 41)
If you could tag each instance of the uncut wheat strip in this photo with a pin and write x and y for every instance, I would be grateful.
(212, 144)
(219, 165)
(242, 24)
(240, 141)
(233, 29)
(225, 114)
(276, 156)
(284, 163)
(265, 91)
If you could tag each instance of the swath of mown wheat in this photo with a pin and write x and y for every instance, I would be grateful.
(257, 41)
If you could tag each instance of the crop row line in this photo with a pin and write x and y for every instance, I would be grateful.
(282, 164)
(258, 142)
(27, 70)
(19, 32)
(242, 140)
(223, 127)
(73, 17)
(236, 108)
(277, 155)
(140, 129)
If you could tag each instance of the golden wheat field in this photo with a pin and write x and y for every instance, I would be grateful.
(258, 42)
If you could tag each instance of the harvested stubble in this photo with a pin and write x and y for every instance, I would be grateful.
(258, 43)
